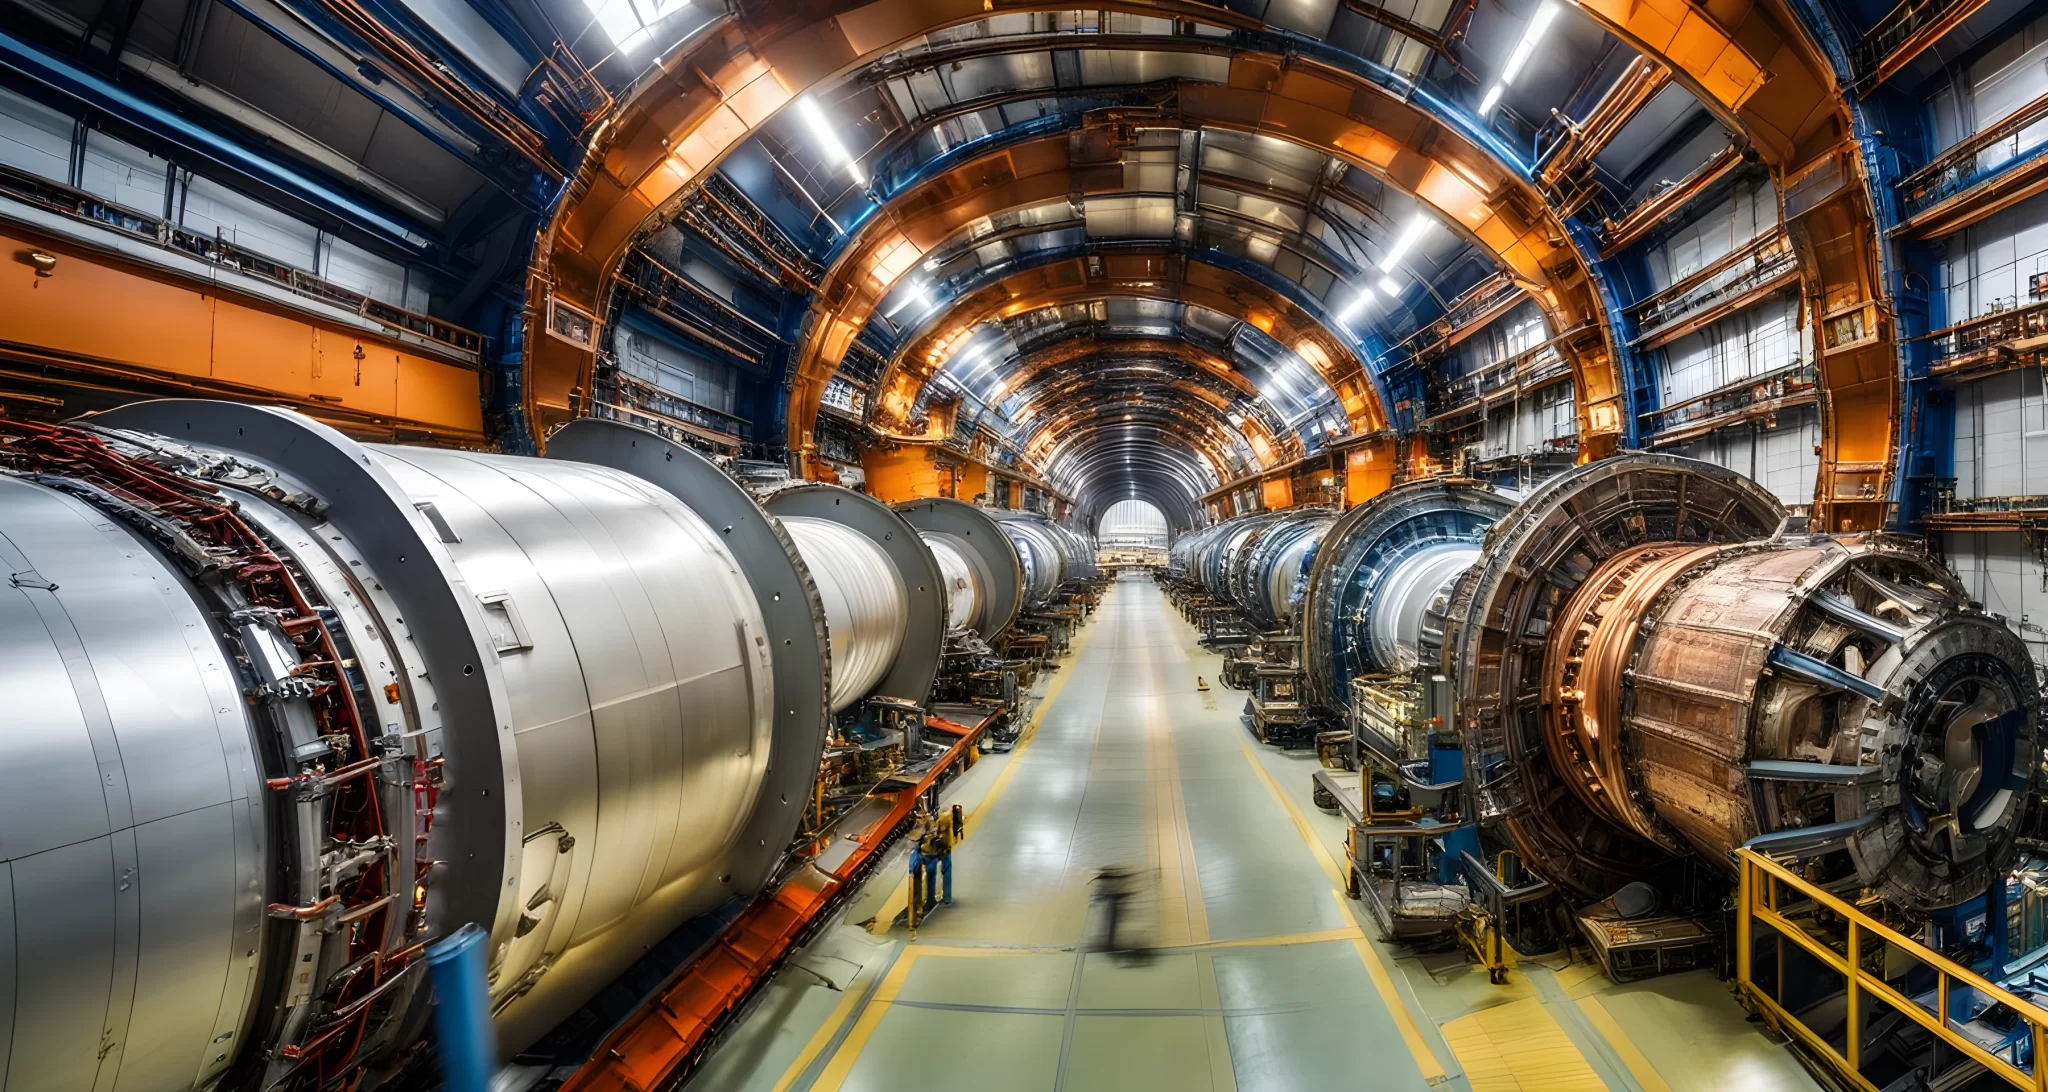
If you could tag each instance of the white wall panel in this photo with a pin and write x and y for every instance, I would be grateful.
(210, 208)
(1781, 458)
(2001, 445)
(1760, 339)
(124, 174)
(1747, 212)
(2001, 572)
(359, 270)
(34, 138)
(1988, 265)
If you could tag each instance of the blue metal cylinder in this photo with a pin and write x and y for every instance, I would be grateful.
(462, 1010)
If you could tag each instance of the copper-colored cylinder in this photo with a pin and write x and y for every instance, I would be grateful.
(1584, 672)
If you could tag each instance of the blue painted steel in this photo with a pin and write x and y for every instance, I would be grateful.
(462, 1010)
(365, 81)
(1446, 764)
(99, 94)
(1457, 843)
(1824, 673)
(1616, 294)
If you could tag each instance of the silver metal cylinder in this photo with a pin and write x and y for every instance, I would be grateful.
(963, 583)
(1040, 554)
(633, 658)
(1398, 612)
(550, 694)
(865, 603)
(133, 846)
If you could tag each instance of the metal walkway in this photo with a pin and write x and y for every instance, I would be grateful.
(1259, 974)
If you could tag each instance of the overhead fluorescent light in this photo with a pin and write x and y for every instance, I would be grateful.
(1539, 24)
(1390, 286)
(822, 132)
(1410, 235)
(1357, 305)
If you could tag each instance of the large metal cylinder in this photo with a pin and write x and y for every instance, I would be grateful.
(963, 584)
(1042, 555)
(1265, 576)
(866, 606)
(1648, 667)
(1381, 578)
(288, 705)
(964, 535)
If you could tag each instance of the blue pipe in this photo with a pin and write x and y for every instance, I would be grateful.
(100, 94)
(462, 1010)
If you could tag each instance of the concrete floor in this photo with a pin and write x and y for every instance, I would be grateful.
(1264, 977)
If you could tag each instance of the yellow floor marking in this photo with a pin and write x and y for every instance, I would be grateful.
(1518, 1047)
(1631, 1056)
(864, 1028)
(899, 896)
(849, 997)
(1382, 980)
(878, 1006)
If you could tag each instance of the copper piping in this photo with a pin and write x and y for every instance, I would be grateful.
(1638, 84)
(1638, 221)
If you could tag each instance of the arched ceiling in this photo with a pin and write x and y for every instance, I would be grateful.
(988, 195)
(1206, 233)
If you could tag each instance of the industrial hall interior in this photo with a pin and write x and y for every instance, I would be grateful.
(1163, 546)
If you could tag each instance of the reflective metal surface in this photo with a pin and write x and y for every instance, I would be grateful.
(612, 789)
(1700, 697)
(865, 603)
(989, 553)
(132, 839)
(962, 583)
(1379, 576)
(887, 591)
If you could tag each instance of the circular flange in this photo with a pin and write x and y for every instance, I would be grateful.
(1535, 557)
(988, 548)
(924, 630)
(1364, 541)
(789, 608)
(476, 834)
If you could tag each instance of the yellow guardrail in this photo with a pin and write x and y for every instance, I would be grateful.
(1761, 899)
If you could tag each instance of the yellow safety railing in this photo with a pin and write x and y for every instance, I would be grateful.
(1768, 890)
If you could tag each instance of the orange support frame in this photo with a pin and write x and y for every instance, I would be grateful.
(656, 1046)
(97, 323)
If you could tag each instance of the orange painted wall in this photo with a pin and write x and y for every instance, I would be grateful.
(1368, 472)
(905, 473)
(1276, 493)
(107, 316)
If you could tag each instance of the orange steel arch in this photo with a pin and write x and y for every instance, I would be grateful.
(709, 96)
(1053, 405)
(1400, 143)
(1753, 64)
(1267, 448)
(1133, 274)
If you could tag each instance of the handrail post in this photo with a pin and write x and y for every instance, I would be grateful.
(1744, 892)
(1855, 980)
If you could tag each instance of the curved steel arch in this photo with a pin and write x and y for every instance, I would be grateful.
(1757, 66)
(740, 74)
(1135, 273)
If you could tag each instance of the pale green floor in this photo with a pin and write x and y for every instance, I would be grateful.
(1264, 978)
